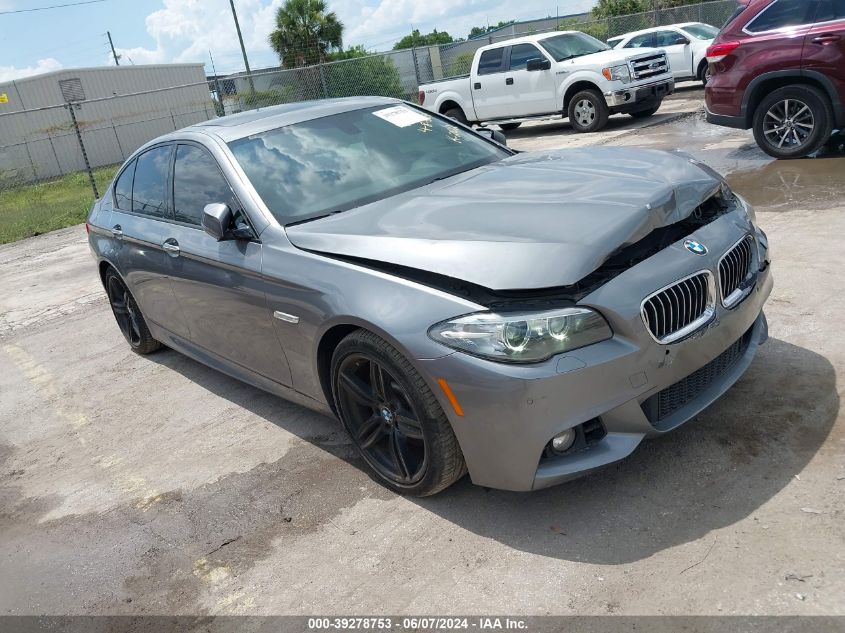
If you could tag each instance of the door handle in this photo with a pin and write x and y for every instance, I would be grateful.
(477, 86)
(171, 247)
(827, 38)
(509, 81)
(117, 232)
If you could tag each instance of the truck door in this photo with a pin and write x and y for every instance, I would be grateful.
(490, 92)
(529, 91)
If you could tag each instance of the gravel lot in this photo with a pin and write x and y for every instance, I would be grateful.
(153, 485)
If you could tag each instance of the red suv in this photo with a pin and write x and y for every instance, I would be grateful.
(779, 67)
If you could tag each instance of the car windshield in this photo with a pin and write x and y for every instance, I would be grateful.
(569, 45)
(701, 31)
(331, 164)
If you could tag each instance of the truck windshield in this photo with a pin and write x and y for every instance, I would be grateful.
(335, 163)
(569, 45)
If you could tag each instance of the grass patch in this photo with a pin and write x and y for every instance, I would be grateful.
(27, 210)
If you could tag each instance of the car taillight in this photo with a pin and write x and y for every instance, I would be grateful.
(718, 52)
(421, 96)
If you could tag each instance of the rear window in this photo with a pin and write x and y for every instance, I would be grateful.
(641, 41)
(702, 31)
(783, 14)
(491, 61)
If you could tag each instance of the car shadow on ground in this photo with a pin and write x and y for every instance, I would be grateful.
(711, 473)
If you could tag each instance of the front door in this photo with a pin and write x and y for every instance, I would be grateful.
(678, 50)
(530, 91)
(219, 284)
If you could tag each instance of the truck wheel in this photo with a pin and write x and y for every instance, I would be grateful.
(792, 122)
(393, 417)
(644, 114)
(588, 111)
(458, 115)
(507, 127)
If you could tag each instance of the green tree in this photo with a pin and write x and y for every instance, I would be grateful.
(461, 65)
(350, 53)
(305, 34)
(418, 39)
(373, 75)
(611, 8)
(478, 31)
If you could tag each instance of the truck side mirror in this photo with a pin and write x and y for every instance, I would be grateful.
(538, 64)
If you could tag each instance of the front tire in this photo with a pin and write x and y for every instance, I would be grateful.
(507, 127)
(588, 111)
(394, 419)
(792, 122)
(128, 315)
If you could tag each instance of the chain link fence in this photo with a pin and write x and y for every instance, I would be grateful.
(52, 159)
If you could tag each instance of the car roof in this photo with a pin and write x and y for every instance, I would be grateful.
(654, 29)
(235, 126)
(527, 39)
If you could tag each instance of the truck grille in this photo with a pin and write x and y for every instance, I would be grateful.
(666, 403)
(649, 66)
(680, 309)
(734, 269)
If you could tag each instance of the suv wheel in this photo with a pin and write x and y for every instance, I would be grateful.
(588, 111)
(793, 122)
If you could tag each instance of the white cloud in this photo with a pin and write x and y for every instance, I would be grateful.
(8, 73)
(185, 30)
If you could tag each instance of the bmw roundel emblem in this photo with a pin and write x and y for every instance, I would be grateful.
(696, 248)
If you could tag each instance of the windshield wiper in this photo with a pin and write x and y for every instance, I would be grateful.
(316, 217)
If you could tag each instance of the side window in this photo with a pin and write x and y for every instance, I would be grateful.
(641, 41)
(830, 10)
(668, 38)
(521, 53)
(149, 191)
(781, 14)
(491, 61)
(123, 188)
(197, 181)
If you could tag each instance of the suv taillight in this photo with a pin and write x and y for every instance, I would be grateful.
(718, 52)
(421, 96)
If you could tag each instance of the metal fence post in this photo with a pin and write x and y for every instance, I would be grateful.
(323, 81)
(172, 118)
(416, 65)
(69, 107)
(117, 138)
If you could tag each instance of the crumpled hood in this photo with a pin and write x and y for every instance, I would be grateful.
(534, 220)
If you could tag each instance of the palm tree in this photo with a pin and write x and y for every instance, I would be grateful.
(305, 33)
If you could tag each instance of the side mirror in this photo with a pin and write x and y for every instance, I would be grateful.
(216, 220)
(538, 64)
(493, 135)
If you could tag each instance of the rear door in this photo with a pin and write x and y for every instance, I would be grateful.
(219, 285)
(530, 91)
(824, 46)
(491, 95)
(678, 49)
(140, 222)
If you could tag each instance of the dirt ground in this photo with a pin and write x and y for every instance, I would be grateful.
(153, 485)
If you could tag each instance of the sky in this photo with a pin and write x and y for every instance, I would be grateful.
(173, 31)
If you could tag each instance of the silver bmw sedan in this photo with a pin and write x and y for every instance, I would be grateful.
(460, 307)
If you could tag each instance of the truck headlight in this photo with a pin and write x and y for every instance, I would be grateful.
(524, 337)
(618, 73)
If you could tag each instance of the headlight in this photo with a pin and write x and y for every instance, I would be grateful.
(618, 73)
(528, 337)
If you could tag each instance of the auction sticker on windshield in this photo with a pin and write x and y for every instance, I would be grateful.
(400, 116)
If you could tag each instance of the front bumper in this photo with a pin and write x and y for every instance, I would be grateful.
(640, 95)
(512, 411)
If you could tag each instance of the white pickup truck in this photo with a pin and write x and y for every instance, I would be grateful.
(562, 73)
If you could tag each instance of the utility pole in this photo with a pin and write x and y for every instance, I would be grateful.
(243, 50)
(113, 52)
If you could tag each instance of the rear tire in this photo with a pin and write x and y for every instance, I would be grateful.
(507, 127)
(704, 73)
(458, 115)
(394, 419)
(644, 114)
(793, 122)
(128, 315)
(588, 111)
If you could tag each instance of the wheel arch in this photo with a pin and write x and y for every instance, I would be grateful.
(768, 82)
(575, 88)
(103, 266)
(449, 104)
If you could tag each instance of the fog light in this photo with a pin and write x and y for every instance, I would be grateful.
(562, 442)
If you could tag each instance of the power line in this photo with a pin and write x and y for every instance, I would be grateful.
(55, 6)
